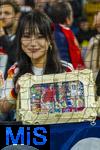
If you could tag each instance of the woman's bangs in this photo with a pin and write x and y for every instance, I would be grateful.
(34, 29)
(28, 28)
(36, 26)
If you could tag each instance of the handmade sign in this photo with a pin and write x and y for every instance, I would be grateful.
(56, 98)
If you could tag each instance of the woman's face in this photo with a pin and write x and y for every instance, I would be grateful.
(35, 46)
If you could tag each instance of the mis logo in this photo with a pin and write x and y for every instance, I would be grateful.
(26, 135)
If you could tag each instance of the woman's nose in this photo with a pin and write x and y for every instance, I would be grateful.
(33, 41)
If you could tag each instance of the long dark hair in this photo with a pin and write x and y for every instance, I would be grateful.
(36, 19)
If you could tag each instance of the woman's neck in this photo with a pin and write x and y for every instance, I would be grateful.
(39, 63)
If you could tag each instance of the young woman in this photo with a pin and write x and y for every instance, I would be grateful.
(37, 54)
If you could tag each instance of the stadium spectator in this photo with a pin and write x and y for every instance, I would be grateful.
(84, 34)
(9, 14)
(37, 54)
(96, 23)
(92, 59)
(62, 16)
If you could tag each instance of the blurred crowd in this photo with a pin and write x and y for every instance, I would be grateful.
(77, 41)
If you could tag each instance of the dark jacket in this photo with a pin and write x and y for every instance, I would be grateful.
(62, 44)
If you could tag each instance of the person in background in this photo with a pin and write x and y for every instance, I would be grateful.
(37, 54)
(96, 23)
(84, 34)
(62, 16)
(9, 15)
(76, 5)
(92, 59)
(3, 55)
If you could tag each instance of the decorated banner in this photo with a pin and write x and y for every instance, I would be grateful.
(56, 98)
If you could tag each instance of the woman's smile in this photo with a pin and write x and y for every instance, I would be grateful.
(34, 49)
